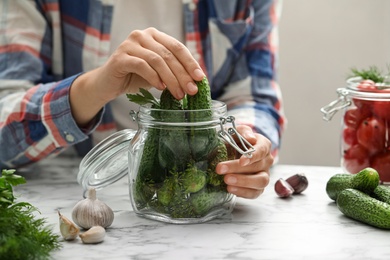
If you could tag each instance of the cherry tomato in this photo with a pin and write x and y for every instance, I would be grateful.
(367, 85)
(349, 136)
(364, 105)
(381, 163)
(381, 109)
(371, 134)
(354, 116)
(356, 158)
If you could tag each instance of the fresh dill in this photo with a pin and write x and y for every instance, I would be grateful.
(23, 234)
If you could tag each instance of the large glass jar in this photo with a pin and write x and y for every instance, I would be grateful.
(365, 128)
(170, 161)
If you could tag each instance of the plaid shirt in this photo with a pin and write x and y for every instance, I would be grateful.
(46, 44)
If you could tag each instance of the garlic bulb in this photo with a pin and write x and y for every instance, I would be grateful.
(91, 212)
(68, 229)
(94, 235)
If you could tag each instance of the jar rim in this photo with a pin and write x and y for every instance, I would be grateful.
(381, 90)
(147, 114)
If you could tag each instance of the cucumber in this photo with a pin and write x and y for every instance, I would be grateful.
(337, 183)
(202, 99)
(366, 181)
(381, 193)
(149, 171)
(360, 206)
(174, 150)
(202, 141)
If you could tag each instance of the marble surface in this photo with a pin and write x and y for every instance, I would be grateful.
(306, 226)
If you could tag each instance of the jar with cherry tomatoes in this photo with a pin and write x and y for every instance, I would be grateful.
(365, 130)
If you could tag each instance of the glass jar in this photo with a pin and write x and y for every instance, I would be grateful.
(170, 161)
(365, 129)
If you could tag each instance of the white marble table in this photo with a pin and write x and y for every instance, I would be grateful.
(306, 226)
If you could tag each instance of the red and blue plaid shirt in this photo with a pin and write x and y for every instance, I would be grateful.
(45, 44)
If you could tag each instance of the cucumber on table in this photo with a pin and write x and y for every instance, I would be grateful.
(381, 193)
(362, 207)
(338, 183)
(366, 181)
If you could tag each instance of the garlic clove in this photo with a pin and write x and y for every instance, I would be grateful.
(283, 188)
(68, 229)
(94, 235)
(91, 212)
(299, 182)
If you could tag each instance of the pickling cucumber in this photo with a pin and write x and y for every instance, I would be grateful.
(338, 183)
(366, 181)
(171, 155)
(202, 141)
(364, 208)
(381, 193)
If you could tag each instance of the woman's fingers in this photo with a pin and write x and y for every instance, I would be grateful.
(182, 54)
(169, 58)
(247, 186)
(247, 177)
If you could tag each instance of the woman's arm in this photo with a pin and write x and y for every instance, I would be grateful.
(57, 113)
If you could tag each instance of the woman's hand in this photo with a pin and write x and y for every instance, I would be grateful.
(151, 58)
(146, 58)
(246, 177)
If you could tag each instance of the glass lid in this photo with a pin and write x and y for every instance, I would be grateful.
(107, 162)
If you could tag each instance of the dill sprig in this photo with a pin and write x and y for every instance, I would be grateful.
(23, 234)
(372, 73)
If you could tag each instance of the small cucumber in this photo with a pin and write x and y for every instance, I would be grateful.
(366, 181)
(337, 183)
(202, 141)
(381, 193)
(174, 150)
(360, 206)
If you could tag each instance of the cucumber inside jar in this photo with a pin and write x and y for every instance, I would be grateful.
(176, 175)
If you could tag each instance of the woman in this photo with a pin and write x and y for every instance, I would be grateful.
(65, 66)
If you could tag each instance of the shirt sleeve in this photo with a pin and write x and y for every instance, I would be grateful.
(37, 123)
(247, 80)
(35, 115)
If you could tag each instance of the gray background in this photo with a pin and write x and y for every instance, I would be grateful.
(320, 40)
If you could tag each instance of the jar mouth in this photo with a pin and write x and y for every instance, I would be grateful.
(379, 92)
(197, 117)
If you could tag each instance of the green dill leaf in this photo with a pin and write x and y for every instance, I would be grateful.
(23, 234)
(24, 204)
(372, 73)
